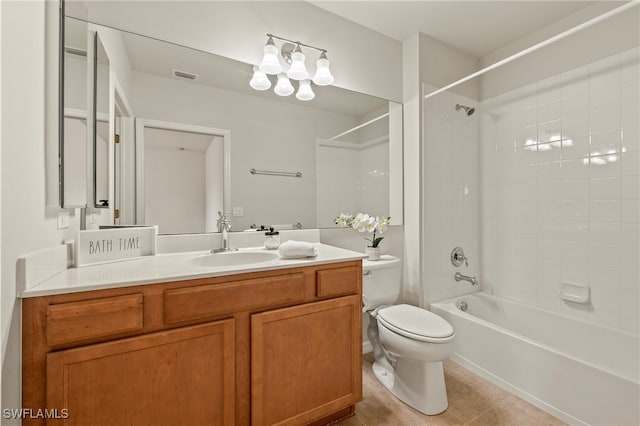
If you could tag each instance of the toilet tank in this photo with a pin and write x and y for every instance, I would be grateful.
(380, 281)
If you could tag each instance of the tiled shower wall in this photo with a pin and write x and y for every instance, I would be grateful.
(451, 193)
(559, 173)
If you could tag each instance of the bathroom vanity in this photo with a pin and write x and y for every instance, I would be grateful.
(277, 345)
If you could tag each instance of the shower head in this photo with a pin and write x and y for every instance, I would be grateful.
(469, 111)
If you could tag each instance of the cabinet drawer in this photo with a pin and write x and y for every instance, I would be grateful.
(339, 281)
(90, 319)
(206, 301)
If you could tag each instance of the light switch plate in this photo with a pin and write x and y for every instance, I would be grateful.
(238, 211)
(63, 220)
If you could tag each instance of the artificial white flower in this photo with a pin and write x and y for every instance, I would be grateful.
(365, 223)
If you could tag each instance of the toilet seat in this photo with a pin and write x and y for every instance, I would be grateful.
(416, 323)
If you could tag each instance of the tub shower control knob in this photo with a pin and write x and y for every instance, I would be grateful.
(457, 257)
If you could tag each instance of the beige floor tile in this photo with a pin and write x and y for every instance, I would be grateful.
(515, 412)
(472, 400)
(470, 395)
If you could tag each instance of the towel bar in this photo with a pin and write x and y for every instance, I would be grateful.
(274, 173)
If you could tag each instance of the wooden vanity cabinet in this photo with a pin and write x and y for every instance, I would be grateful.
(262, 348)
(305, 361)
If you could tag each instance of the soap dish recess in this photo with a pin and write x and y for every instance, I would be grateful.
(576, 293)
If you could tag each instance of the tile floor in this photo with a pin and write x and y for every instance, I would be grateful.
(472, 401)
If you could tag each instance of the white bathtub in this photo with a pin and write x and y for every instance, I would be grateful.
(580, 372)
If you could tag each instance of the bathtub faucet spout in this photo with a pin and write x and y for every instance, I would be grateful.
(460, 277)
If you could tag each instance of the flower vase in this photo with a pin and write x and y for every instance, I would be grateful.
(372, 252)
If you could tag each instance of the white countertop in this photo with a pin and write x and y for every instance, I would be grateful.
(171, 267)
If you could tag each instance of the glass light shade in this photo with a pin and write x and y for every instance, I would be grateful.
(283, 86)
(270, 63)
(259, 81)
(305, 93)
(323, 75)
(297, 71)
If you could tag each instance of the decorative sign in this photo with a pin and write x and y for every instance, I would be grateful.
(109, 245)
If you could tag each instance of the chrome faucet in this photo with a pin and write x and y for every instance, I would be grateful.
(224, 226)
(460, 277)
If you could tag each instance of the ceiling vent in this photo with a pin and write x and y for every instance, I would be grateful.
(184, 74)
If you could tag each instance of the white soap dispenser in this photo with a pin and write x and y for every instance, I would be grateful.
(271, 239)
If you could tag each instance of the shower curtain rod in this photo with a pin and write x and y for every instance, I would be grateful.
(535, 47)
(357, 127)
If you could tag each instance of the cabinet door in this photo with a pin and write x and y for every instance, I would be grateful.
(183, 376)
(306, 361)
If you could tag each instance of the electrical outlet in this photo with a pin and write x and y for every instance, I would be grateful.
(63, 220)
(238, 211)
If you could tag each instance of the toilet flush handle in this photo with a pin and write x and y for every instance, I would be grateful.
(366, 273)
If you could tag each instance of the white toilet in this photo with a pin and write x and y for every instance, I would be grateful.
(409, 343)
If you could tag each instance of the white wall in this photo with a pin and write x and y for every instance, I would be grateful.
(413, 254)
(560, 185)
(613, 35)
(432, 172)
(1, 334)
(174, 189)
(442, 64)
(26, 225)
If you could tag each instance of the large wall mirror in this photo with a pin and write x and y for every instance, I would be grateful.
(204, 142)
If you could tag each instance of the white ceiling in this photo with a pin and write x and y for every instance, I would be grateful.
(475, 27)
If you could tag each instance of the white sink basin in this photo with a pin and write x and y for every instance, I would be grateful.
(233, 258)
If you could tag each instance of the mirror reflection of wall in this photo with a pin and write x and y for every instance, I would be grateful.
(183, 180)
(360, 183)
(101, 131)
(102, 164)
(75, 132)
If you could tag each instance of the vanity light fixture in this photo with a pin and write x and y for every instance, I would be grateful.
(304, 91)
(297, 69)
(284, 86)
(292, 54)
(270, 63)
(259, 81)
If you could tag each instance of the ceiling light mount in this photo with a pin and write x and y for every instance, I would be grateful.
(293, 56)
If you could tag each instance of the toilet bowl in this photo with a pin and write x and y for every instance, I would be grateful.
(415, 342)
(409, 343)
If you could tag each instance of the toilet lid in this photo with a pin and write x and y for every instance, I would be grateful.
(416, 323)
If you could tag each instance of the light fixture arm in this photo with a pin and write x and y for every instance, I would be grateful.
(298, 43)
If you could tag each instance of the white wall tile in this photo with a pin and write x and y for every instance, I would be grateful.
(629, 115)
(602, 166)
(575, 169)
(607, 233)
(575, 189)
(566, 210)
(604, 210)
(630, 211)
(549, 171)
(575, 210)
(605, 188)
(630, 139)
(630, 163)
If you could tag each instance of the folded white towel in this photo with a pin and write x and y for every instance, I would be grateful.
(297, 249)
